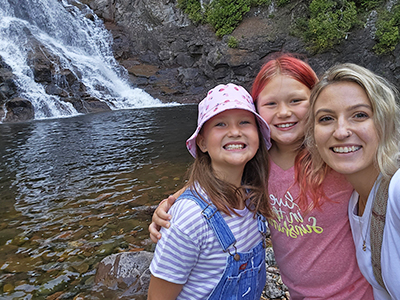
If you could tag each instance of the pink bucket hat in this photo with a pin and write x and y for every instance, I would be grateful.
(222, 98)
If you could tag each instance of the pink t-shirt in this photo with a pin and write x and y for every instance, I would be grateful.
(315, 252)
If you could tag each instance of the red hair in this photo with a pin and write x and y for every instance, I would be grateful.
(284, 64)
(289, 65)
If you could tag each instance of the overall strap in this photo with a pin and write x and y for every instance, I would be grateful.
(378, 216)
(214, 219)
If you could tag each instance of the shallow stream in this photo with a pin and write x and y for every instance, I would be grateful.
(75, 190)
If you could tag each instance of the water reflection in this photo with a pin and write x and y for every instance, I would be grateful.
(69, 189)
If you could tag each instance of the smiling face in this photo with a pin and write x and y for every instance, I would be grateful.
(344, 129)
(283, 104)
(231, 139)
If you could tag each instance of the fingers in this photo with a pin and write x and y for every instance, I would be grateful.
(170, 200)
(161, 218)
(155, 234)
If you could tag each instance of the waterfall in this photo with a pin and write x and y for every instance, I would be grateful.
(63, 32)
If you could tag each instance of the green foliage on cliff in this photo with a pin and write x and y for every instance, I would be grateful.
(232, 42)
(223, 15)
(193, 9)
(283, 2)
(387, 30)
(329, 23)
(368, 4)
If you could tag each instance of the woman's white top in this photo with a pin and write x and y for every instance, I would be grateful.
(390, 254)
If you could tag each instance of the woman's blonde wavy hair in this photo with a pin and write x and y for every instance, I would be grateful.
(386, 115)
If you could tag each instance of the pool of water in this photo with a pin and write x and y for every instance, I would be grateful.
(75, 190)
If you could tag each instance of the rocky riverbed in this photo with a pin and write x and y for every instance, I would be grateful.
(128, 275)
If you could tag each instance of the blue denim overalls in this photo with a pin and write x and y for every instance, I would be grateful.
(245, 274)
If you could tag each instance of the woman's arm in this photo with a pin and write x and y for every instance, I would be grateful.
(161, 217)
(160, 289)
(390, 253)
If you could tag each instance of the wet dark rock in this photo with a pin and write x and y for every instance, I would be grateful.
(53, 89)
(81, 267)
(8, 88)
(92, 105)
(18, 109)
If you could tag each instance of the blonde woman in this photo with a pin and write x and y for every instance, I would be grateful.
(354, 129)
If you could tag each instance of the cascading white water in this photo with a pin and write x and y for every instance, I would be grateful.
(80, 45)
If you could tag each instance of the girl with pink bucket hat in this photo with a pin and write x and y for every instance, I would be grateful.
(214, 248)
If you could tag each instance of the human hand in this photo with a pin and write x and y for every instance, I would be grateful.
(161, 218)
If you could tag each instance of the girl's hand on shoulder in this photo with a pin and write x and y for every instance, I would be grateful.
(161, 218)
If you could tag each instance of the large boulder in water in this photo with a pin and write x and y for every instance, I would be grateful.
(18, 109)
(127, 271)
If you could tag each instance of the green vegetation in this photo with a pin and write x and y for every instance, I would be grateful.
(282, 2)
(193, 9)
(232, 42)
(223, 15)
(328, 22)
(387, 30)
(368, 4)
(259, 2)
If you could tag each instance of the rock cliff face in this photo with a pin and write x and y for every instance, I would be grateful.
(174, 60)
